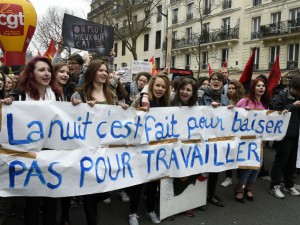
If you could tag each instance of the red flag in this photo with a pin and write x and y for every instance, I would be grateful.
(210, 71)
(224, 63)
(39, 54)
(274, 76)
(51, 50)
(153, 65)
(245, 79)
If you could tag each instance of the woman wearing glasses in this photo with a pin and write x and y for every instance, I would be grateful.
(212, 95)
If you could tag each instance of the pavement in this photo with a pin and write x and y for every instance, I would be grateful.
(264, 210)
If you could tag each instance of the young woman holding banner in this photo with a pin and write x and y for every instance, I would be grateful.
(61, 71)
(159, 96)
(37, 82)
(212, 95)
(257, 98)
(186, 95)
(95, 90)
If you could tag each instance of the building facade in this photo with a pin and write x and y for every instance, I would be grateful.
(189, 34)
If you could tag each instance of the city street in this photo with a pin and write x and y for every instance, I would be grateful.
(264, 210)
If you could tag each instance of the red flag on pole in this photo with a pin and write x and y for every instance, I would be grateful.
(224, 64)
(245, 79)
(153, 65)
(51, 50)
(210, 71)
(274, 76)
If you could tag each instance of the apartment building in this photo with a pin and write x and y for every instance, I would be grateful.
(149, 42)
(189, 34)
(273, 26)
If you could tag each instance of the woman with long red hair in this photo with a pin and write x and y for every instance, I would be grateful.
(37, 82)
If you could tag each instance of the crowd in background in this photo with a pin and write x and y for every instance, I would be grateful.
(94, 82)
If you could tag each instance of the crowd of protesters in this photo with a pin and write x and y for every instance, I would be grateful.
(94, 82)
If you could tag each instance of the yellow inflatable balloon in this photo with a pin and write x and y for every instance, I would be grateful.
(17, 26)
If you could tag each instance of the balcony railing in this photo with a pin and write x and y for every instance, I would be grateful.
(275, 29)
(224, 34)
(119, 8)
(205, 37)
(291, 65)
(100, 8)
(135, 26)
(255, 35)
(189, 16)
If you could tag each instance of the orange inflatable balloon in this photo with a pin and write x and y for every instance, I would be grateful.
(17, 26)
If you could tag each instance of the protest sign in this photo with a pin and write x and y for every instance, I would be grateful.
(141, 66)
(126, 75)
(105, 148)
(86, 35)
(175, 199)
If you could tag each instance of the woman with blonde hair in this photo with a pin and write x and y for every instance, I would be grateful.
(159, 96)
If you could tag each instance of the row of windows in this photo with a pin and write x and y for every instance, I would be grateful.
(292, 59)
(146, 43)
(276, 25)
(226, 4)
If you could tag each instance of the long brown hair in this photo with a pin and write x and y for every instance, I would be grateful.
(192, 101)
(88, 87)
(166, 96)
(239, 92)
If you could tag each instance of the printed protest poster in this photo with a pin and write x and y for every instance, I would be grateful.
(126, 75)
(182, 194)
(86, 35)
(141, 66)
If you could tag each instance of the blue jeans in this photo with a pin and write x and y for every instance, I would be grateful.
(247, 176)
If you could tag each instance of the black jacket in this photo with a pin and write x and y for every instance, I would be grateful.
(285, 100)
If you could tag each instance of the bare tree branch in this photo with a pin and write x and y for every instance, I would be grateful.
(126, 10)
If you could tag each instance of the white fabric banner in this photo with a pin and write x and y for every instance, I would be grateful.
(174, 142)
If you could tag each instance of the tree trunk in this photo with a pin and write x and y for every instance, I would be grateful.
(133, 50)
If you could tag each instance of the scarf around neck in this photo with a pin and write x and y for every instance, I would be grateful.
(49, 96)
(212, 92)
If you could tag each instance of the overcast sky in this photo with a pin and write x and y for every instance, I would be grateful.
(81, 6)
